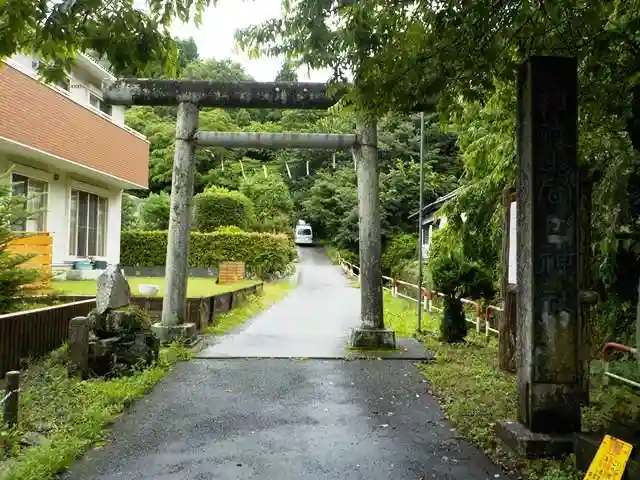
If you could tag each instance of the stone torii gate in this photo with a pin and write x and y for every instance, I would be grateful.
(190, 96)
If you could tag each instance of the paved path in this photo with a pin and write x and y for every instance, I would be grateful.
(312, 321)
(288, 419)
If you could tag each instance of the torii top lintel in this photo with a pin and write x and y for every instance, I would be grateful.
(277, 95)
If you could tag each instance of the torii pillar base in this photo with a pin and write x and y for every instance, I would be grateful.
(184, 332)
(371, 338)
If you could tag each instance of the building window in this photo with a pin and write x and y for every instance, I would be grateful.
(97, 103)
(88, 224)
(35, 194)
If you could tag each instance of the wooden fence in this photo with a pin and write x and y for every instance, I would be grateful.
(40, 245)
(486, 318)
(36, 332)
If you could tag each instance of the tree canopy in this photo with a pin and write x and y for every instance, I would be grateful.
(133, 40)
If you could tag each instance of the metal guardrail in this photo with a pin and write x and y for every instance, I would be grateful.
(11, 398)
(606, 351)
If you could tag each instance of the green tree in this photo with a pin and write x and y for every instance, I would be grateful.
(129, 38)
(128, 216)
(272, 202)
(14, 277)
(155, 211)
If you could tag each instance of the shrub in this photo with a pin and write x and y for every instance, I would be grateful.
(228, 229)
(217, 207)
(272, 202)
(264, 254)
(457, 277)
(154, 212)
(399, 253)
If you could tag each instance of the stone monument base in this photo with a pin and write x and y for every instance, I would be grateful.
(169, 333)
(529, 444)
(383, 338)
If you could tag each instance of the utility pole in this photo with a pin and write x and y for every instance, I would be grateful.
(419, 327)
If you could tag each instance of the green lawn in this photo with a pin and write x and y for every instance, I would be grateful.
(197, 286)
(271, 294)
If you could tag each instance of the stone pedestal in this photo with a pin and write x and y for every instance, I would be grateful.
(372, 338)
(530, 444)
(548, 316)
(169, 333)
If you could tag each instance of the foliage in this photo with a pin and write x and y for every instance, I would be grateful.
(272, 201)
(15, 279)
(272, 293)
(155, 211)
(455, 275)
(71, 414)
(218, 207)
(228, 229)
(128, 215)
(132, 40)
(400, 252)
(475, 394)
(264, 254)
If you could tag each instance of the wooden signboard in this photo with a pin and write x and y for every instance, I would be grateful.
(610, 460)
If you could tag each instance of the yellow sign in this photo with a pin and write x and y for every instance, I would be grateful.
(610, 460)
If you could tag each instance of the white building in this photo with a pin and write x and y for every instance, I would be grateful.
(432, 220)
(64, 143)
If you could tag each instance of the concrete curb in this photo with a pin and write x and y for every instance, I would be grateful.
(294, 278)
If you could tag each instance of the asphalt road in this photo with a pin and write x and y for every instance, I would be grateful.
(288, 419)
(314, 320)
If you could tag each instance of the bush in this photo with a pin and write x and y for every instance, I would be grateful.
(154, 212)
(264, 254)
(272, 202)
(457, 277)
(399, 253)
(217, 207)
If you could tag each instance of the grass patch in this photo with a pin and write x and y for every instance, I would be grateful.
(69, 415)
(272, 293)
(196, 286)
(475, 394)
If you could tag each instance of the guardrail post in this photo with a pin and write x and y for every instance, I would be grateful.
(478, 317)
(12, 396)
(425, 300)
(394, 288)
(487, 320)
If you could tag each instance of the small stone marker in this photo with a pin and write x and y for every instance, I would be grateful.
(610, 460)
(113, 290)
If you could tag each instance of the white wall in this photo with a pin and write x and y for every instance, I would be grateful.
(58, 206)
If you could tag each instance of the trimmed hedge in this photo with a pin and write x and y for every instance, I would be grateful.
(219, 207)
(264, 254)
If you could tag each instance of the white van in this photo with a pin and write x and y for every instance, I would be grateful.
(304, 234)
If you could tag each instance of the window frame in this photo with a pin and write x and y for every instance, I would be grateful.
(101, 234)
(44, 218)
(102, 107)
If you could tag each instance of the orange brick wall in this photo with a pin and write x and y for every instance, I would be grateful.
(35, 115)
